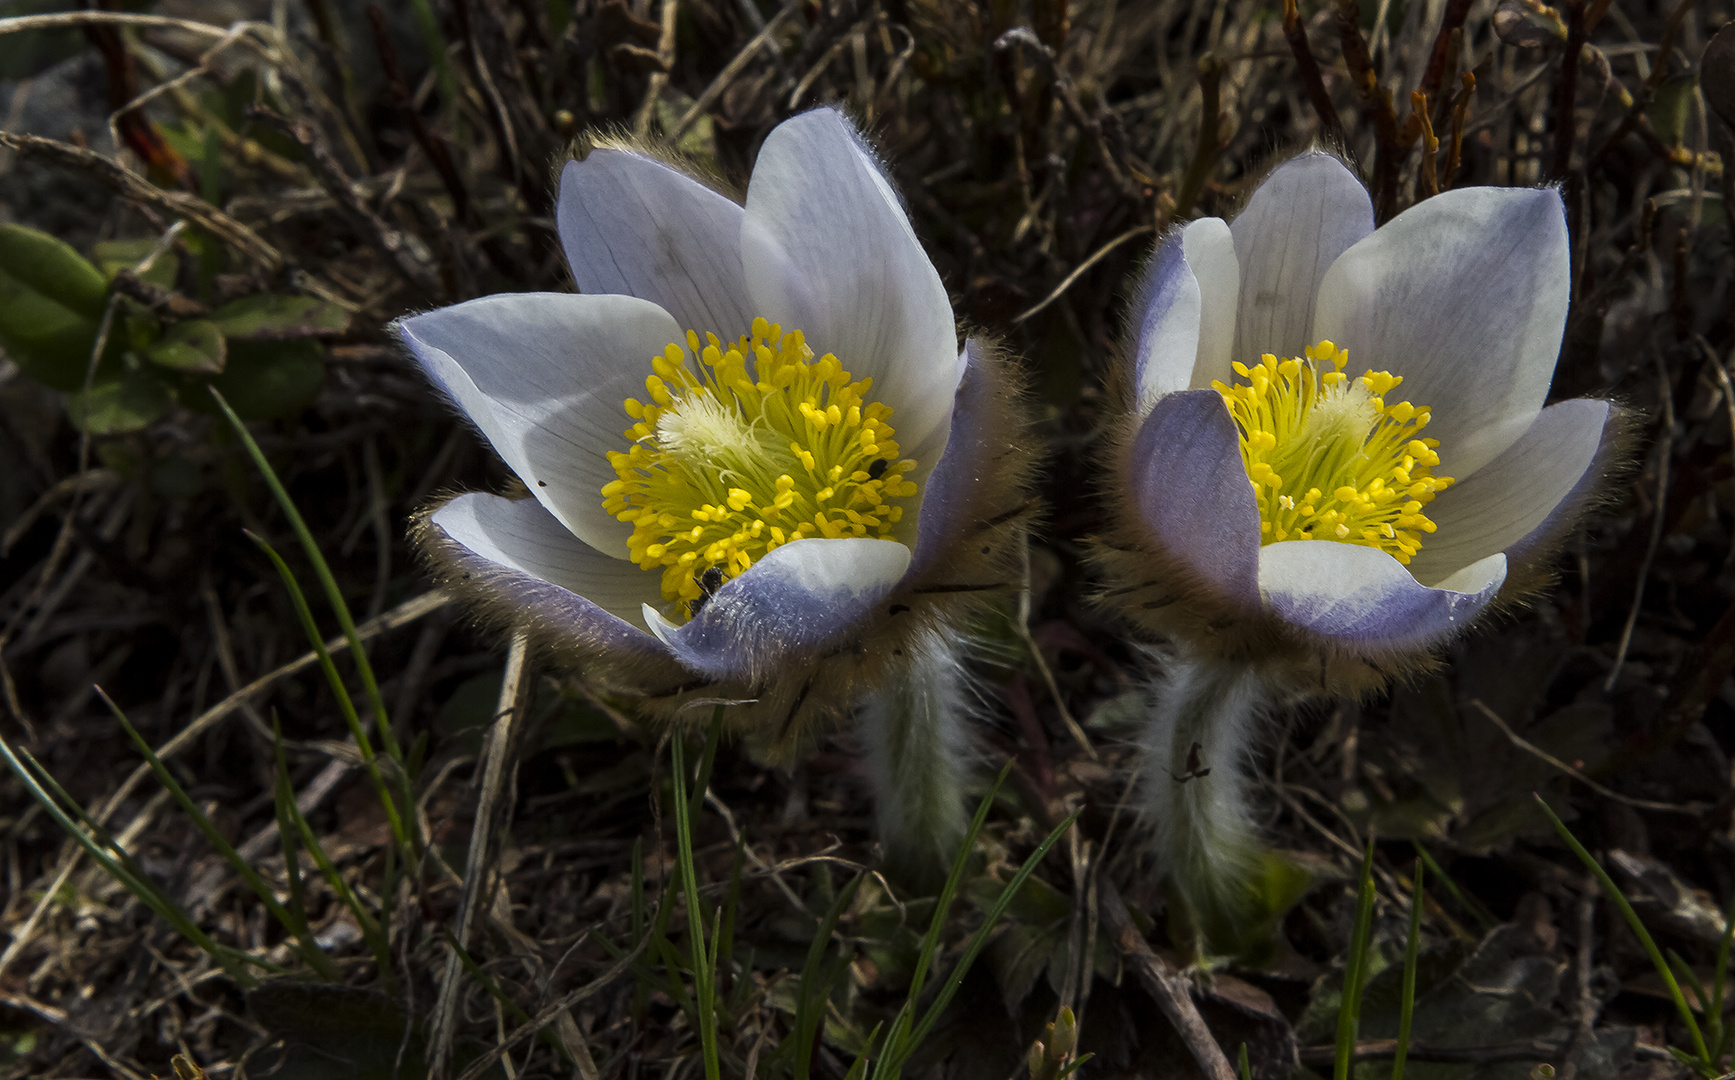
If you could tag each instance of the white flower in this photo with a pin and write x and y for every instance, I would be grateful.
(1322, 512)
(751, 438)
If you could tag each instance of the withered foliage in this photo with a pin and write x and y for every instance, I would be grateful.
(393, 159)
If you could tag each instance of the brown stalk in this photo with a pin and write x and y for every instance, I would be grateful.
(439, 154)
(1295, 32)
(1428, 179)
(1376, 104)
(1210, 144)
(1460, 113)
(1566, 92)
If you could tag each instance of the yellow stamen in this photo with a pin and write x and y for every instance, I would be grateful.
(747, 446)
(1328, 458)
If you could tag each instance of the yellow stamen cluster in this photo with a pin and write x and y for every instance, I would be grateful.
(755, 445)
(1328, 458)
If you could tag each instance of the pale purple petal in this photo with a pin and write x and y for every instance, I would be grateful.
(634, 226)
(796, 602)
(1515, 494)
(1305, 214)
(1186, 312)
(1465, 297)
(1360, 598)
(954, 487)
(517, 550)
(1192, 493)
(828, 250)
(542, 376)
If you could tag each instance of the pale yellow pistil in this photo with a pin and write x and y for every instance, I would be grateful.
(1328, 458)
(745, 447)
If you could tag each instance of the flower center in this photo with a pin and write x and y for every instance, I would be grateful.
(755, 445)
(1328, 458)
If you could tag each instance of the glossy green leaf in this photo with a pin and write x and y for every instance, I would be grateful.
(115, 405)
(51, 302)
(195, 347)
(271, 317)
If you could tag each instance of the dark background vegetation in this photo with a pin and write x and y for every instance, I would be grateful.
(1041, 146)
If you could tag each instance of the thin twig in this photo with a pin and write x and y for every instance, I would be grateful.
(514, 689)
(1608, 793)
(1167, 988)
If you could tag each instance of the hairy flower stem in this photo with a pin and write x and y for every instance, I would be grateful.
(917, 750)
(1197, 748)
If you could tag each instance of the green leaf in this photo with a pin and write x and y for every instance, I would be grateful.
(271, 317)
(113, 256)
(51, 302)
(118, 404)
(266, 380)
(195, 346)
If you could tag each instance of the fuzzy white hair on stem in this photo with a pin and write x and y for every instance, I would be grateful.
(1198, 749)
(915, 734)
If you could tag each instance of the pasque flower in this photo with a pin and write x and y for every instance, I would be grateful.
(757, 463)
(1337, 456)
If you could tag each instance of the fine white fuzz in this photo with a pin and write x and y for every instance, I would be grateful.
(1197, 750)
(917, 747)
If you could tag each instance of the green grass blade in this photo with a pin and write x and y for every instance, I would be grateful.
(704, 975)
(814, 992)
(1719, 1034)
(1355, 970)
(283, 794)
(1412, 948)
(139, 885)
(1243, 1068)
(346, 705)
(979, 940)
(486, 982)
(333, 595)
(1638, 928)
(298, 930)
(370, 930)
(887, 1065)
(1464, 900)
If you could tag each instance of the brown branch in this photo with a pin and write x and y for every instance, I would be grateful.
(1167, 987)
(1566, 91)
(1295, 32)
(439, 154)
(1376, 104)
(1068, 93)
(1210, 126)
(128, 184)
(1428, 178)
(389, 241)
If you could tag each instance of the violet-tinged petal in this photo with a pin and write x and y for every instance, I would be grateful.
(1363, 599)
(1465, 297)
(1192, 493)
(1516, 493)
(1186, 312)
(828, 249)
(1306, 213)
(796, 602)
(516, 550)
(954, 485)
(542, 376)
(634, 226)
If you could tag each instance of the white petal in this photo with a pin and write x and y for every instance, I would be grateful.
(1305, 214)
(800, 599)
(634, 226)
(828, 250)
(1362, 599)
(1187, 304)
(1515, 493)
(542, 376)
(1465, 297)
(519, 535)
